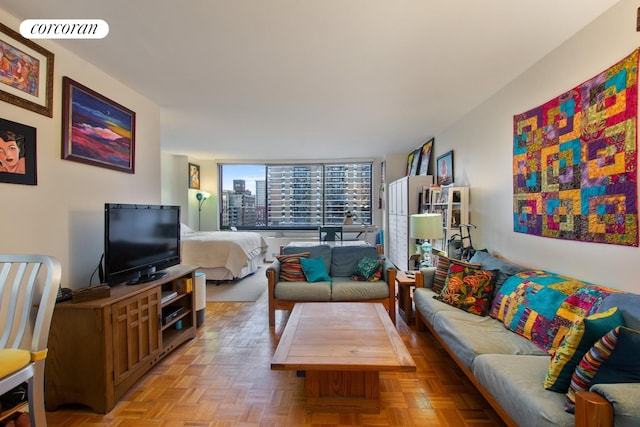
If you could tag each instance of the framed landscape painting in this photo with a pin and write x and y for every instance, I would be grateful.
(96, 130)
(26, 73)
(17, 153)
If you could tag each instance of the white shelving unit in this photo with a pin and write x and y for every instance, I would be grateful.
(453, 204)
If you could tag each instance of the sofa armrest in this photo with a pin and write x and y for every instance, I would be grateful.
(619, 401)
(427, 273)
(275, 268)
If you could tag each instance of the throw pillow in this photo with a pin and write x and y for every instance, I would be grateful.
(442, 270)
(314, 270)
(290, 267)
(468, 288)
(374, 277)
(366, 267)
(613, 359)
(580, 338)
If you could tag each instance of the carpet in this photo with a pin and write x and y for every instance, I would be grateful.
(248, 288)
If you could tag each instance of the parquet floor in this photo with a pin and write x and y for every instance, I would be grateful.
(223, 378)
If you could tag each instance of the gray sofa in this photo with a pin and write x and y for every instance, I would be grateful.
(509, 370)
(340, 263)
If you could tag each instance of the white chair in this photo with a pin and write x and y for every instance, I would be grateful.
(28, 290)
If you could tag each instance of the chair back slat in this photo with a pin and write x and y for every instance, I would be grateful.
(28, 289)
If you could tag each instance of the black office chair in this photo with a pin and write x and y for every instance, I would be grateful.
(329, 233)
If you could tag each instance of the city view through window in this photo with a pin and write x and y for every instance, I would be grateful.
(297, 196)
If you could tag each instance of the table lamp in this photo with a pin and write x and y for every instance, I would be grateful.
(427, 227)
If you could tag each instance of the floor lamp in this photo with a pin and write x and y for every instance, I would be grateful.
(202, 196)
(427, 227)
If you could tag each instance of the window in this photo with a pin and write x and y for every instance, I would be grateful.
(295, 196)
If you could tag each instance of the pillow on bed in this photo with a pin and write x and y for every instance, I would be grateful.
(290, 267)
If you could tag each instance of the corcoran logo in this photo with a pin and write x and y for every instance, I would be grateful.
(64, 28)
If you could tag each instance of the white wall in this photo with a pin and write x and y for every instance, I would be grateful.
(63, 215)
(483, 152)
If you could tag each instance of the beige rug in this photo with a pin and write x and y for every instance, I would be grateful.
(248, 288)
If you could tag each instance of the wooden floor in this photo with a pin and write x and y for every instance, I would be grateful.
(223, 378)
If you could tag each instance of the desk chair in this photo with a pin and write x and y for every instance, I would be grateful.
(28, 291)
(329, 233)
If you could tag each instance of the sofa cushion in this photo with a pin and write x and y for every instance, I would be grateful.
(290, 267)
(628, 304)
(468, 336)
(314, 270)
(427, 305)
(345, 289)
(489, 262)
(580, 338)
(344, 259)
(611, 360)
(302, 291)
(541, 306)
(315, 251)
(516, 383)
(468, 289)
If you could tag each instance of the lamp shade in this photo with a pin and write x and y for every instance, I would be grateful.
(203, 195)
(426, 226)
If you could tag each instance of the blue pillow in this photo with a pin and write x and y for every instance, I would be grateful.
(314, 270)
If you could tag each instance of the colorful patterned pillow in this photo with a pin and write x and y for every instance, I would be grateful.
(373, 277)
(290, 267)
(580, 338)
(613, 359)
(468, 288)
(542, 306)
(442, 270)
(366, 267)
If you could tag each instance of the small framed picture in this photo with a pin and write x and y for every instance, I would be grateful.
(444, 172)
(425, 157)
(17, 153)
(194, 176)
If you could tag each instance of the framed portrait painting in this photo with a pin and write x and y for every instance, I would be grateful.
(26, 73)
(17, 153)
(194, 176)
(444, 166)
(96, 130)
(425, 157)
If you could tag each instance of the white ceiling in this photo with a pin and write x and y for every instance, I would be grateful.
(304, 79)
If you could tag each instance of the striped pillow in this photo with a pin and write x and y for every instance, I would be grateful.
(290, 267)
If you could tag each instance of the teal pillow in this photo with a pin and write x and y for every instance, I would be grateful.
(315, 270)
(366, 267)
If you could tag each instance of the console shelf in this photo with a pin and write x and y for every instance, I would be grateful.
(98, 349)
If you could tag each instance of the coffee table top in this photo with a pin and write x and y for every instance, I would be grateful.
(345, 336)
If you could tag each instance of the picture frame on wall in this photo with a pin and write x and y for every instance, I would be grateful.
(194, 176)
(444, 169)
(26, 77)
(96, 130)
(17, 153)
(425, 157)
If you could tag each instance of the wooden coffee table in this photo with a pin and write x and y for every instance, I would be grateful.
(342, 347)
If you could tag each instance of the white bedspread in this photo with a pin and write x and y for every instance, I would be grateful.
(229, 249)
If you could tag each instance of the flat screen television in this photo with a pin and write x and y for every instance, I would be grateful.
(139, 242)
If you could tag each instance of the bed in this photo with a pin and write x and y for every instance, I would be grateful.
(223, 255)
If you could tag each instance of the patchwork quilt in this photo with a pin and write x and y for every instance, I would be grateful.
(575, 162)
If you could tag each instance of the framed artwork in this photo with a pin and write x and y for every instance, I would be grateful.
(194, 176)
(425, 157)
(96, 130)
(413, 162)
(17, 153)
(26, 73)
(444, 171)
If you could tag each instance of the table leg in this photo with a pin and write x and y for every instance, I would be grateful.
(343, 391)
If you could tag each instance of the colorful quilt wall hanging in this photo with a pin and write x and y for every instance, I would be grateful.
(575, 161)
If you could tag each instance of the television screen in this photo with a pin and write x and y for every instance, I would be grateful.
(139, 241)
